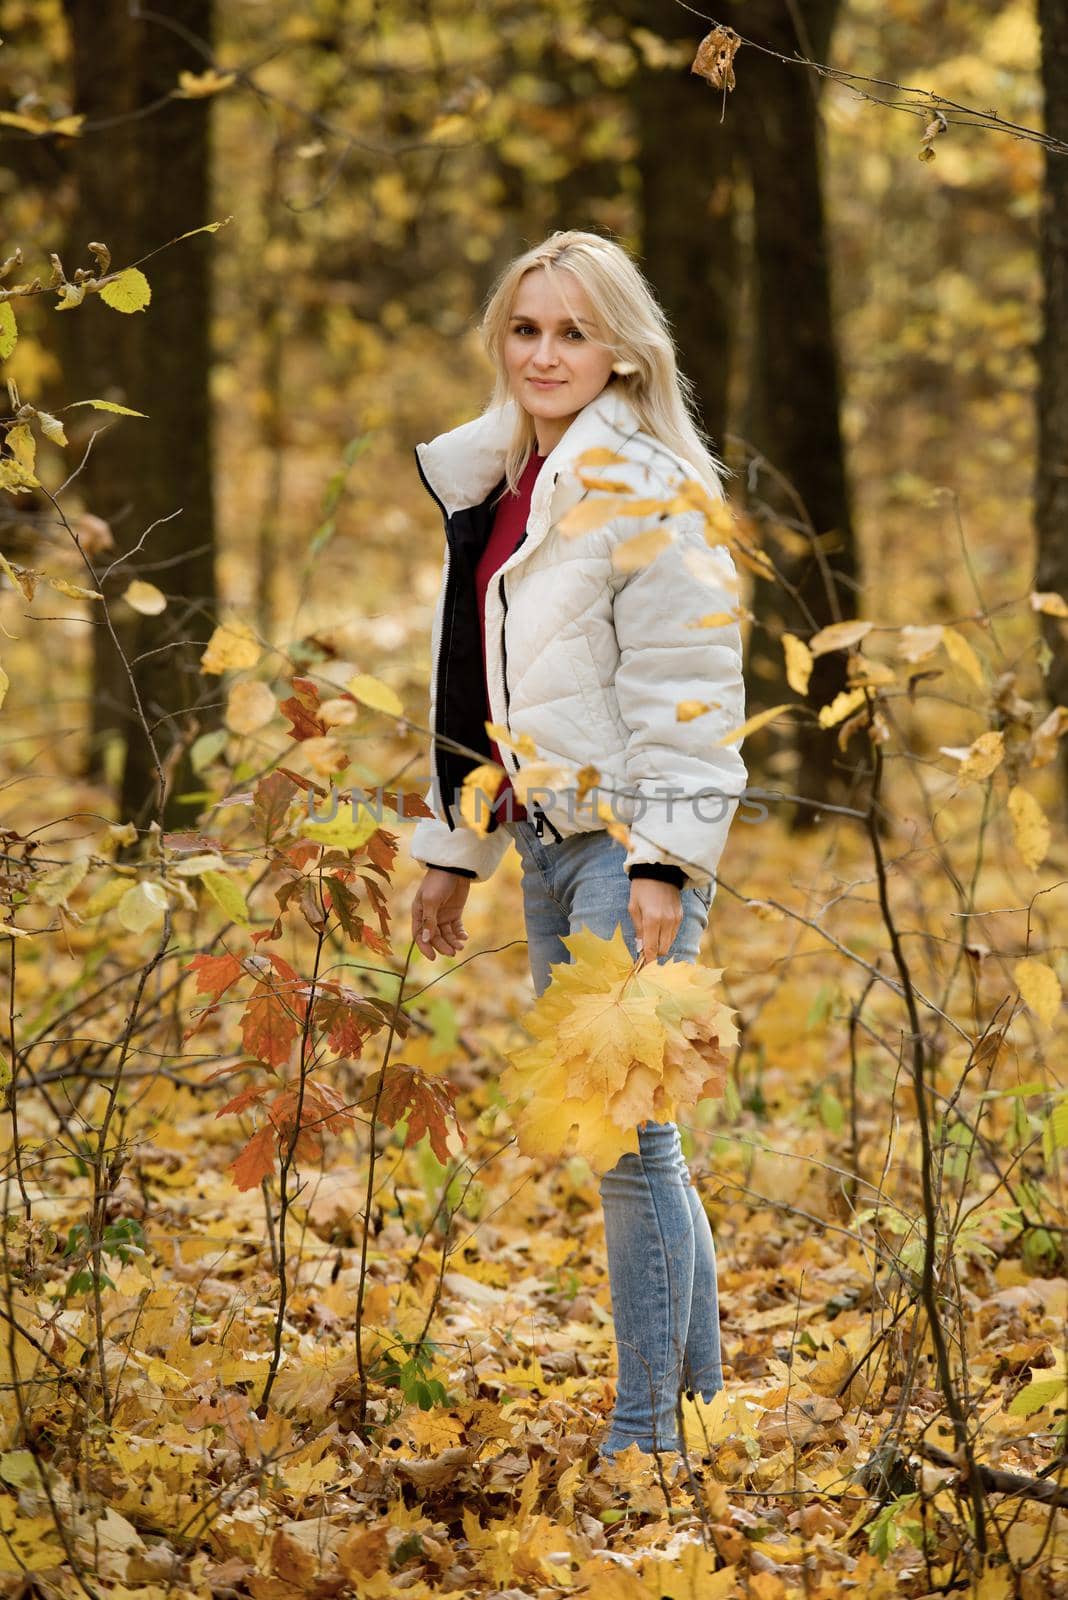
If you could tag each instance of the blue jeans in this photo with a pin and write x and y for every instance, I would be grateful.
(661, 1256)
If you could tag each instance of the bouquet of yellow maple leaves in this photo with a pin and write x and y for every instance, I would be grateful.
(617, 1042)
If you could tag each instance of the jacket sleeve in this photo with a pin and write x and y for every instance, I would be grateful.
(435, 844)
(662, 661)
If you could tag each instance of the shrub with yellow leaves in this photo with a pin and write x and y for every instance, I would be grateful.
(617, 1042)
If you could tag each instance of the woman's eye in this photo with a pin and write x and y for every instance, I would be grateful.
(526, 328)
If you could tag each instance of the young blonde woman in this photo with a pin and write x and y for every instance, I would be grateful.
(542, 634)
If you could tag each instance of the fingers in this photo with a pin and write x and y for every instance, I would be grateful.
(432, 931)
(657, 919)
(658, 941)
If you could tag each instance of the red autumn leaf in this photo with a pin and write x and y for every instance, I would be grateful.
(270, 802)
(425, 1102)
(343, 903)
(382, 849)
(301, 851)
(346, 1018)
(379, 945)
(302, 709)
(311, 908)
(302, 781)
(379, 901)
(294, 984)
(256, 1160)
(215, 974)
(246, 1098)
(406, 805)
(230, 1068)
(274, 1015)
(333, 1107)
(283, 1114)
(268, 1027)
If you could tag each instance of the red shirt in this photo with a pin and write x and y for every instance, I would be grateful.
(509, 526)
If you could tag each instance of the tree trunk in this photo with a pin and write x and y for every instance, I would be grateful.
(795, 389)
(689, 251)
(141, 182)
(1051, 485)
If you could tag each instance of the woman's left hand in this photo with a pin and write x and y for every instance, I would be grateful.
(656, 912)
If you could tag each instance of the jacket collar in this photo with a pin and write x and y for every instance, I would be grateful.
(462, 466)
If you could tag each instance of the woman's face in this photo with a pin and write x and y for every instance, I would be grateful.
(554, 367)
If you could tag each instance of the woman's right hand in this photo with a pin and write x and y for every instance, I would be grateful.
(437, 911)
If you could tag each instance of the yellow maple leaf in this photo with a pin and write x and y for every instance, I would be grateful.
(617, 1042)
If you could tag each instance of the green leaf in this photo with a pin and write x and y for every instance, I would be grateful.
(1058, 1123)
(831, 1113)
(227, 895)
(1036, 1396)
(127, 291)
(18, 1468)
(206, 748)
(9, 331)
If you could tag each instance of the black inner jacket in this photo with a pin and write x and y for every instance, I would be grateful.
(460, 698)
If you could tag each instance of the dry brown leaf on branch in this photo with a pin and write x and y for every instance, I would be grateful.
(714, 60)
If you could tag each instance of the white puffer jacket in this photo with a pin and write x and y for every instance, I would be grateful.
(589, 661)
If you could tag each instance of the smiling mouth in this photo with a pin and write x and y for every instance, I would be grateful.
(547, 383)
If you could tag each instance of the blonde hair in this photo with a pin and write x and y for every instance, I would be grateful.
(631, 324)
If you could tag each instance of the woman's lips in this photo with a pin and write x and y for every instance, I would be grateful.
(546, 383)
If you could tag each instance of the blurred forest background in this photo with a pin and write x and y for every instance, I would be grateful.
(863, 249)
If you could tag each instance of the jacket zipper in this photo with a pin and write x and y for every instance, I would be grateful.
(504, 664)
(541, 821)
(435, 666)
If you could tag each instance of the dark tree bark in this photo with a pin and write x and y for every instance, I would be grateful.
(1051, 485)
(689, 250)
(795, 388)
(139, 182)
